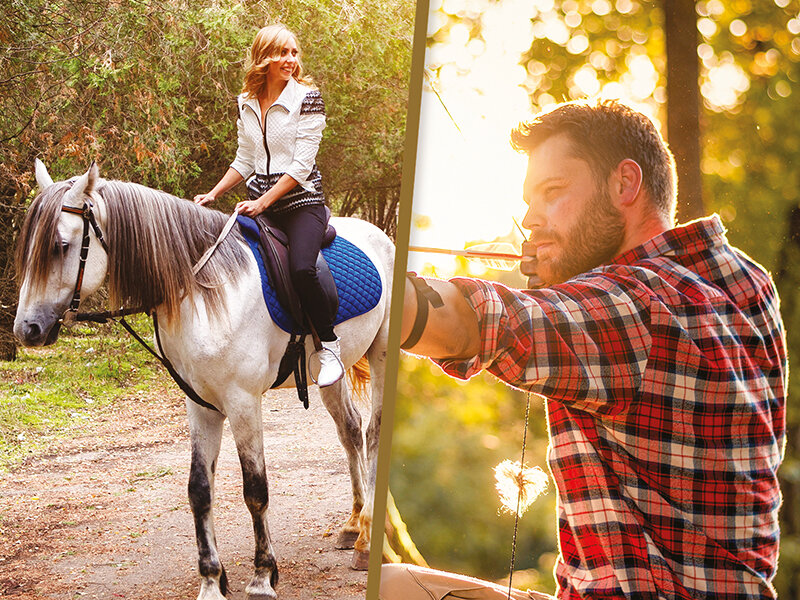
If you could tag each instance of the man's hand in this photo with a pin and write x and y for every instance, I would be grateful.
(451, 330)
(529, 264)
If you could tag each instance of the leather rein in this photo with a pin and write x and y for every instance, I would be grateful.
(72, 314)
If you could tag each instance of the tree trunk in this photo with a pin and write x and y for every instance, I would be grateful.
(683, 104)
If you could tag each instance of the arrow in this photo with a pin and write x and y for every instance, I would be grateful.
(468, 253)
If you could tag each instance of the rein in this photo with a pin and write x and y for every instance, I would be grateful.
(90, 222)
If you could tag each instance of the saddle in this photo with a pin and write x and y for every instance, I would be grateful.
(274, 250)
(358, 285)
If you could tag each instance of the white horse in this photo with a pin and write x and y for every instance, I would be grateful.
(214, 328)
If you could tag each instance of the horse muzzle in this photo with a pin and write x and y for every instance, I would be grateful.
(40, 330)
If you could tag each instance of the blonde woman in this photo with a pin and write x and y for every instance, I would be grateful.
(281, 118)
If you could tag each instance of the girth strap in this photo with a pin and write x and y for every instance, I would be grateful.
(294, 362)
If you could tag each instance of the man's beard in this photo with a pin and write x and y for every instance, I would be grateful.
(594, 240)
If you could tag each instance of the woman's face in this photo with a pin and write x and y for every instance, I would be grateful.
(283, 68)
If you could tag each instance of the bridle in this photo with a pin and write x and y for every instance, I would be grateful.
(89, 221)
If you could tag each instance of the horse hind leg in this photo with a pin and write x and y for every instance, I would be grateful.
(247, 431)
(337, 401)
(364, 523)
(377, 364)
(206, 436)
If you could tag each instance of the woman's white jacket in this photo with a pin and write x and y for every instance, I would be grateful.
(289, 140)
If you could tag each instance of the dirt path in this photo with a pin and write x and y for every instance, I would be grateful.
(104, 514)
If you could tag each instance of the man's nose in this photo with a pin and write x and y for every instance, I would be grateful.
(533, 216)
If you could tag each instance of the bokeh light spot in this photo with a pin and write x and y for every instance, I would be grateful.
(706, 27)
(738, 27)
(601, 7)
(578, 44)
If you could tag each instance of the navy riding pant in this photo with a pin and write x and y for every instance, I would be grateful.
(305, 227)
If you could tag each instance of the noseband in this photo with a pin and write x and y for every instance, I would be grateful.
(89, 220)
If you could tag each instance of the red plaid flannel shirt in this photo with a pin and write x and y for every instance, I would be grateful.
(665, 378)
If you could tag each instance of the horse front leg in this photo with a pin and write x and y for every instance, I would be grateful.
(337, 401)
(247, 431)
(205, 428)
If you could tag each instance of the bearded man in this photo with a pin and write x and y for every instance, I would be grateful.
(660, 351)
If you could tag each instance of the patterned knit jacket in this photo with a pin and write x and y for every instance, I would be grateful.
(287, 143)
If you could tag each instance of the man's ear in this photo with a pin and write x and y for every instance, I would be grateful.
(626, 182)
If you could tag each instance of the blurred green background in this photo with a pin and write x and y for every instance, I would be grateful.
(449, 435)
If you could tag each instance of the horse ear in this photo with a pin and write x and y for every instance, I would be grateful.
(86, 182)
(94, 175)
(43, 179)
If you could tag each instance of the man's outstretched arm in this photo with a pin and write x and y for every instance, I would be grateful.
(451, 330)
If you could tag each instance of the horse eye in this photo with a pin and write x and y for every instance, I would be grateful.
(60, 247)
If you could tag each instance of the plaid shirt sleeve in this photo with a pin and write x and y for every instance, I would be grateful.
(585, 343)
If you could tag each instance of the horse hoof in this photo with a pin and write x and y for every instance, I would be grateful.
(346, 540)
(260, 589)
(360, 560)
(262, 595)
(210, 593)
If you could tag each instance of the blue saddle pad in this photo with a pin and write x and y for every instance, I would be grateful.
(357, 280)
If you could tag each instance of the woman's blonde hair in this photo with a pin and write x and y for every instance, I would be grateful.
(266, 49)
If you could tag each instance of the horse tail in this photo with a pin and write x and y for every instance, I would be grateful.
(358, 376)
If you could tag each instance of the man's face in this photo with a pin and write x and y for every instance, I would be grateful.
(574, 224)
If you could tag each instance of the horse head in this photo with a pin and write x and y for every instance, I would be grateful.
(53, 270)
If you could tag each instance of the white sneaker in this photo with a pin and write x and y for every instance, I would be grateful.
(331, 368)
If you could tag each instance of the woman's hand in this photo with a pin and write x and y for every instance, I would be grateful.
(204, 198)
(251, 208)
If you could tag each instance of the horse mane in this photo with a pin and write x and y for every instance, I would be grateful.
(39, 243)
(154, 240)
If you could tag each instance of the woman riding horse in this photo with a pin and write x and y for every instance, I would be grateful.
(281, 118)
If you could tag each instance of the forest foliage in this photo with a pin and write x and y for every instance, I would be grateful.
(750, 142)
(147, 89)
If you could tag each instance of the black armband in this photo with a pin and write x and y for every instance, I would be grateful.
(425, 295)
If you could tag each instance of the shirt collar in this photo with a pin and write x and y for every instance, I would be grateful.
(693, 237)
(287, 99)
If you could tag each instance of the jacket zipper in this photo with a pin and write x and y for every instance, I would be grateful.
(266, 146)
(264, 132)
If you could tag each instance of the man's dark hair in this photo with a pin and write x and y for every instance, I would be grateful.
(603, 133)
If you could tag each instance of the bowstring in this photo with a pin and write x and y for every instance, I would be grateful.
(527, 395)
(441, 100)
(519, 496)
